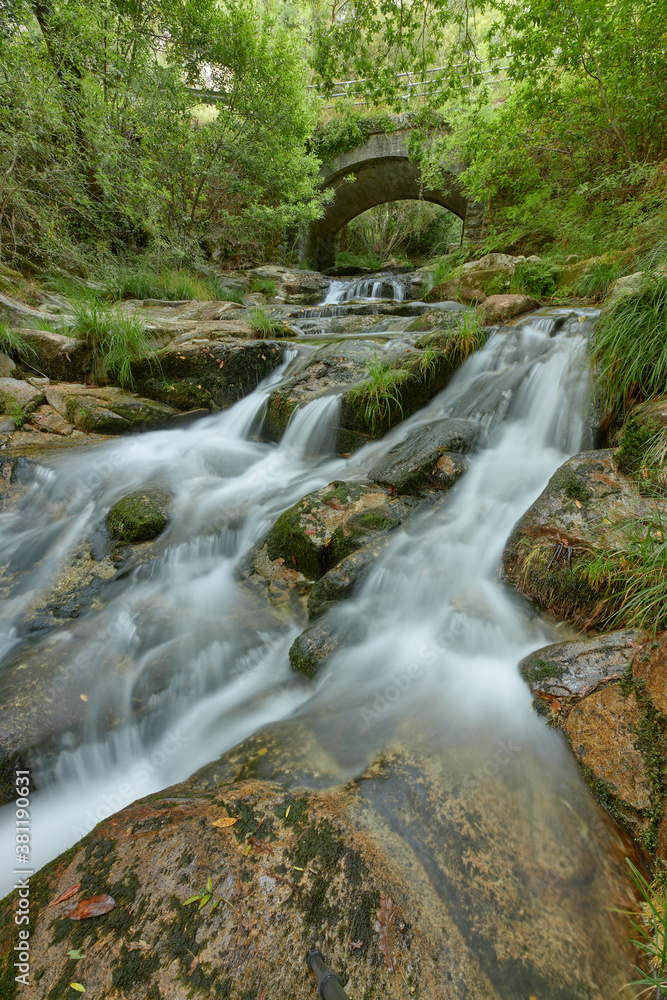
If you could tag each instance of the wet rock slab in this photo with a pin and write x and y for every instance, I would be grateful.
(430, 458)
(581, 512)
(572, 668)
(413, 877)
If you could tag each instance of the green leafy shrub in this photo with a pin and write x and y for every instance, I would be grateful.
(596, 283)
(347, 258)
(630, 349)
(443, 268)
(114, 340)
(17, 412)
(534, 277)
(348, 130)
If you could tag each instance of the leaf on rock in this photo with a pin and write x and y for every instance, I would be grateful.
(226, 821)
(78, 987)
(139, 945)
(96, 906)
(67, 894)
(385, 919)
(75, 954)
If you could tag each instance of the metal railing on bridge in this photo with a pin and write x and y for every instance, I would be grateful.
(418, 86)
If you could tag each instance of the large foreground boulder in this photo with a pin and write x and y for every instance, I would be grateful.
(423, 877)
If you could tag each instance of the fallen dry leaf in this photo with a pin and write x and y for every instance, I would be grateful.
(385, 918)
(226, 821)
(138, 945)
(96, 906)
(193, 965)
(66, 895)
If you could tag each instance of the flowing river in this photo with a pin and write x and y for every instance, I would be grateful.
(181, 662)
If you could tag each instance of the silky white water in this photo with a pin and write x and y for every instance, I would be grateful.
(182, 662)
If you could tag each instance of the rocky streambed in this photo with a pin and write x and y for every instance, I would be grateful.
(266, 645)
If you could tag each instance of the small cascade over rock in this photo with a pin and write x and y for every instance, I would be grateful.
(376, 287)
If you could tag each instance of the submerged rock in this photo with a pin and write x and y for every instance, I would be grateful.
(140, 516)
(583, 511)
(339, 582)
(421, 875)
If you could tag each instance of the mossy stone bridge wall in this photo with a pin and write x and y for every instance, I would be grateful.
(375, 172)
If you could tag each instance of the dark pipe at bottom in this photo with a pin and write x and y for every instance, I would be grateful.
(328, 983)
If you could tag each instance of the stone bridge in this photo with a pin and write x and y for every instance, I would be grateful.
(382, 172)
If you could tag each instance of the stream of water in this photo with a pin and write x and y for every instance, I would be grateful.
(181, 662)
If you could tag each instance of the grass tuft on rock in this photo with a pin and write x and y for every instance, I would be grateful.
(630, 349)
(596, 282)
(380, 392)
(14, 344)
(114, 340)
(632, 579)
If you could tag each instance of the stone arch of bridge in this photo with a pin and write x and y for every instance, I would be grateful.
(377, 172)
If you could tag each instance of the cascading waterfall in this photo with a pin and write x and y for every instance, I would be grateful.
(371, 289)
(182, 663)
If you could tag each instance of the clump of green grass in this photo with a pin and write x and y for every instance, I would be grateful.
(443, 269)
(380, 392)
(428, 363)
(141, 282)
(346, 258)
(630, 349)
(534, 277)
(631, 578)
(266, 286)
(651, 932)
(114, 340)
(17, 412)
(264, 325)
(227, 293)
(595, 284)
(470, 336)
(14, 344)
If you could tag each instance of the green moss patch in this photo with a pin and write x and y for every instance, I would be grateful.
(141, 516)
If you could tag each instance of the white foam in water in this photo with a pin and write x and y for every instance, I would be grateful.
(206, 666)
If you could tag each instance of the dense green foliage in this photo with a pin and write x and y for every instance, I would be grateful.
(631, 345)
(559, 108)
(105, 146)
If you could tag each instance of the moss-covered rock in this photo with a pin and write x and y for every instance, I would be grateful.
(430, 458)
(642, 451)
(210, 373)
(107, 410)
(140, 516)
(580, 514)
(339, 582)
(325, 526)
